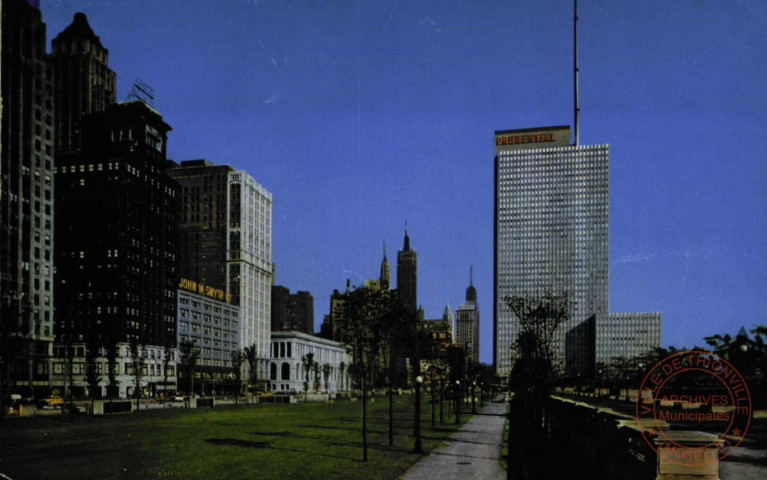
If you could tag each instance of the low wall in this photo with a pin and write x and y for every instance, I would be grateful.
(105, 407)
(608, 440)
(202, 402)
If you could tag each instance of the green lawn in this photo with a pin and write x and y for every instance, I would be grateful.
(313, 440)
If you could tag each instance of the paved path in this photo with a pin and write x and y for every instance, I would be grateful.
(471, 452)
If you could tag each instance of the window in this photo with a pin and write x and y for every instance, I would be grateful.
(285, 371)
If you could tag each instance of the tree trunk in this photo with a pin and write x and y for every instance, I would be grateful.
(364, 420)
(391, 416)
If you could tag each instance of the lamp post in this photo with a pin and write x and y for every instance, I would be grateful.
(473, 400)
(418, 446)
(457, 402)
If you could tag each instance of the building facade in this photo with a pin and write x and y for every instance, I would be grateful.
(116, 234)
(26, 199)
(292, 311)
(627, 335)
(226, 220)
(207, 318)
(439, 332)
(551, 234)
(288, 373)
(84, 83)
(467, 324)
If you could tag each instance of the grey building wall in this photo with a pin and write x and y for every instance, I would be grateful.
(212, 324)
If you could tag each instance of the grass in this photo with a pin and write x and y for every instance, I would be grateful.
(313, 440)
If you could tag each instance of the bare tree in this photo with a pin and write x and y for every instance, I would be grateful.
(237, 358)
(188, 356)
(308, 364)
(166, 357)
(326, 376)
(533, 372)
(362, 316)
(138, 363)
(92, 377)
(112, 351)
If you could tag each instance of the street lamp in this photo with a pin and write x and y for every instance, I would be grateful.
(457, 402)
(473, 401)
(418, 446)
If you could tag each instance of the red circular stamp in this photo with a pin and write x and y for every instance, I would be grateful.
(693, 408)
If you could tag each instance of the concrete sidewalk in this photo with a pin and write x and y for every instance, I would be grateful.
(471, 452)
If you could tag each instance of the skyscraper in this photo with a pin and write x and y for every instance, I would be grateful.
(551, 234)
(116, 239)
(26, 198)
(226, 239)
(467, 324)
(292, 311)
(407, 276)
(385, 276)
(84, 82)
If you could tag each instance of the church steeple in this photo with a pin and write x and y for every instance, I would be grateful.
(385, 277)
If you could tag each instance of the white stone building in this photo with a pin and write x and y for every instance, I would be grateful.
(287, 371)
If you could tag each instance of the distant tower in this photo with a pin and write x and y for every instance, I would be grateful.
(467, 322)
(84, 83)
(385, 278)
(447, 319)
(407, 265)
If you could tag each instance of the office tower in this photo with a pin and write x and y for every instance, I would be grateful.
(225, 225)
(84, 82)
(385, 276)
(467, 324)
(551, 234)
(439, 332)
(627, 335)
(407, 278)
(292, 311)
(26, 199)
(116, 237)
(203, 221)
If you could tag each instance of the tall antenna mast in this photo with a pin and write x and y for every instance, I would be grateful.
(575, 68)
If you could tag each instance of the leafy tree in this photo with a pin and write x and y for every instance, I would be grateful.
(138, 363)
(188, 356)
(539, 317)
(308, 363)
(251, 357)
(362, 316)
(534, 371)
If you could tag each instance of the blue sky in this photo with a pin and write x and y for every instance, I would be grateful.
(360, 116)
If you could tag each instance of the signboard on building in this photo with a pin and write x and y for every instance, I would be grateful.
(200, 289)
(530, 138)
